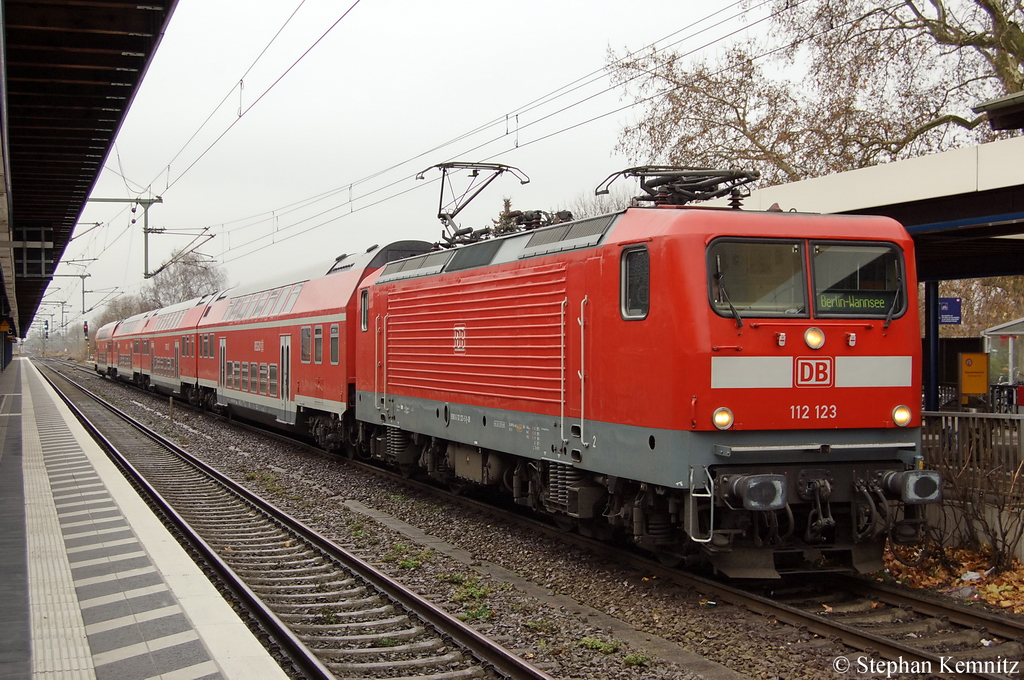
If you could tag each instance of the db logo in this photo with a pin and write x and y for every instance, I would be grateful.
(459, 337)
(814, 372)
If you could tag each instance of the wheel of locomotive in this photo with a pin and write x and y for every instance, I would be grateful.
(564, 522)
(350, 450)
(670, 559)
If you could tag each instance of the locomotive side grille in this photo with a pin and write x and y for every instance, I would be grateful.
(474, 256)
(428, 261)
(492, 336)
(592, 227)
(546, 236)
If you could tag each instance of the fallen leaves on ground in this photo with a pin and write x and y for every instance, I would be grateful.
(965, 574)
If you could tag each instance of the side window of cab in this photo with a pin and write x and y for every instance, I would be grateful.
(635, 283)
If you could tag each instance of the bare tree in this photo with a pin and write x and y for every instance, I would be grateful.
(869, 84)
(122, 307)
(986, 303)
(589, 205)
(185, 276)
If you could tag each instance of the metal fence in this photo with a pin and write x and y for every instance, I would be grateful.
(986, 449)
(1005, 398)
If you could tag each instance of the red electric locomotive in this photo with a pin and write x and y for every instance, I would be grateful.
(715, 384)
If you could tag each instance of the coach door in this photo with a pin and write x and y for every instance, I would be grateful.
(287, 406)
(221, 384)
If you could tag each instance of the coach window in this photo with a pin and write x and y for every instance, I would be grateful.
(254, 377)
(245, 375)
(318, 344)
(136, 347)
(238, 376)
(263, 378)
(281, 300)
(229, 377)
(273, 379)
(276, 293)
(636, 283)
(364, 309)
(305, 344)
(334, 344)
(292, 298)
(258, 307)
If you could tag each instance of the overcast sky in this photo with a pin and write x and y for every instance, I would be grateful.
(343, 109)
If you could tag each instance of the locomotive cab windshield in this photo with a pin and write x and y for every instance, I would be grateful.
(765, 278)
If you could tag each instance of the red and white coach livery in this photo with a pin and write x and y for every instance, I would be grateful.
(715, 384)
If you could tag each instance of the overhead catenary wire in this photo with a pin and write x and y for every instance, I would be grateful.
(764, 54)
(261, 218)
(241, 113)
(348, 203)
(555, 94)
(326, 216)
(532, 105)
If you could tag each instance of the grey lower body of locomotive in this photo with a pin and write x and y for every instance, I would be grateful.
(754, 502)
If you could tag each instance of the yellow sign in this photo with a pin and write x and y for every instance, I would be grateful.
(4, 326)
(973, 373)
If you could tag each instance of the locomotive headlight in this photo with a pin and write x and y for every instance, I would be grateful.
(814, 337)
(901, 415)
(722, 418)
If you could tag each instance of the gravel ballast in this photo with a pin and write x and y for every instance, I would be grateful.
(569, 612)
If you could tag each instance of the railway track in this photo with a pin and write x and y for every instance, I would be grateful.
(333, 615)
(880, 623)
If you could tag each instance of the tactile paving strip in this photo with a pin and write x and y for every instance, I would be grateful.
(99, 608)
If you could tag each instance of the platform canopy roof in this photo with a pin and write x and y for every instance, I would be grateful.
(69, 69)
(1009, 328)
(964, 208)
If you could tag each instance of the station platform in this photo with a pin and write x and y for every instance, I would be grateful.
(91, 583)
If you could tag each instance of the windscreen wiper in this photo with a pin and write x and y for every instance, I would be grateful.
(895, 299)
(725, 294)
